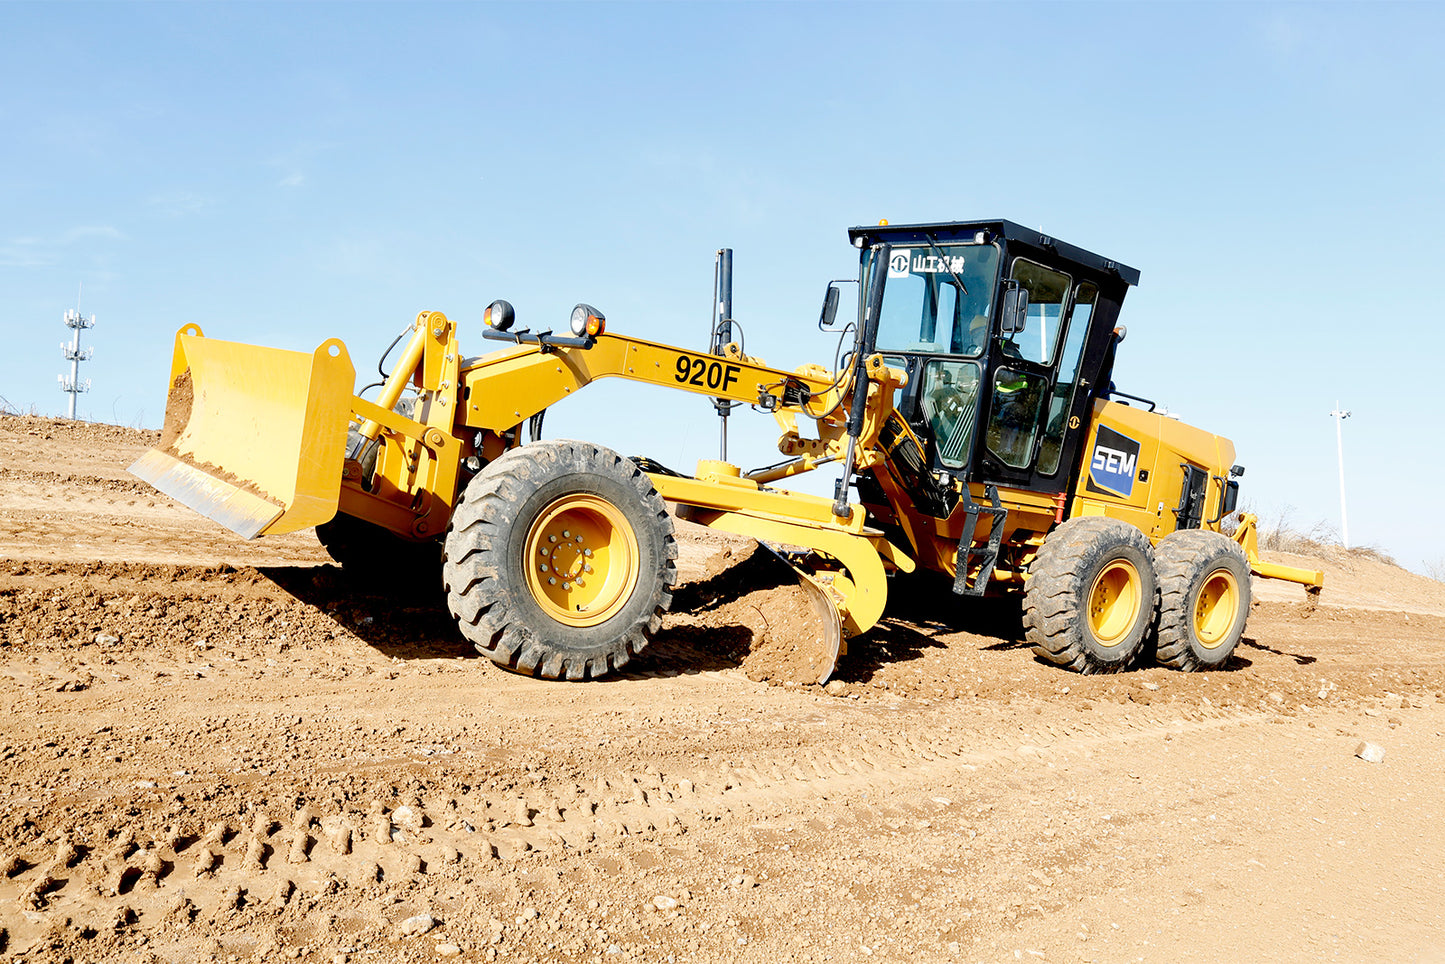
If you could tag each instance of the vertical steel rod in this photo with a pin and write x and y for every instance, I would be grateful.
(723, 334)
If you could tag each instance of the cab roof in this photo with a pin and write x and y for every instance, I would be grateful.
(1009, 231)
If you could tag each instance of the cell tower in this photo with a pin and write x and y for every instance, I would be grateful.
(74, 385)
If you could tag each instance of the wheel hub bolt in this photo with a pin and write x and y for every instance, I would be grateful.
(551, 580)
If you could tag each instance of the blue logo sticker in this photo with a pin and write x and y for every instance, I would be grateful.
(1113, 464)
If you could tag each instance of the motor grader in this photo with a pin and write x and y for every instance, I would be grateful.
(972, 423)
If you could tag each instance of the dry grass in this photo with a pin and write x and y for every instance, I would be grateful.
(1280, 534)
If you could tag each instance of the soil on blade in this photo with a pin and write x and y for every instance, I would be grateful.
(761, 614)
(178, 410)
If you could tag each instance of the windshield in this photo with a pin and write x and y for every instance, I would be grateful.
(938, 299)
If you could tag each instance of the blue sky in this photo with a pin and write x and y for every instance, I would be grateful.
(287, 173)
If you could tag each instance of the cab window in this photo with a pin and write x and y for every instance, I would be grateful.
(948, 399)
(938, 299)
(1013, 424)
(1047, 290)
(1061, 401)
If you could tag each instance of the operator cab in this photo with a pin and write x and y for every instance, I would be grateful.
(1007, 337)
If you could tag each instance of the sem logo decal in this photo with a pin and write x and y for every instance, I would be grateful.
(1112, 463)
(898, 265)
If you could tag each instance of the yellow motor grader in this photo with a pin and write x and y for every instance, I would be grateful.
(972, 423)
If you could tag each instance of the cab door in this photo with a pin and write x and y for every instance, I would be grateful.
(1031, 380)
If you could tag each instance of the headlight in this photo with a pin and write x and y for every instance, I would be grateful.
(587, 320)
(499, 315)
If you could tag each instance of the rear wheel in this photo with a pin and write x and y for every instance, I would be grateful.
(1090, 595)
(560, 560)
(1204, 597)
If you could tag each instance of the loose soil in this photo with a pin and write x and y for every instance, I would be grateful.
(232, 751)
(750, 601)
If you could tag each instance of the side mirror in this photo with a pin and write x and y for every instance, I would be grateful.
(1015, 310)
(830, 307)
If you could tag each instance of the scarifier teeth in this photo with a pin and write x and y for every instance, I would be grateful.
(300, 844)
(340, 839)
(255, 859)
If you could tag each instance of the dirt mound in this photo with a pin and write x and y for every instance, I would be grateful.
(48, 429)
(65, 495)
(1359, 580)
(765, 618)
(178, 409)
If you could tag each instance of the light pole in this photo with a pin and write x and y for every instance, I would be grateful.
(1339, 415)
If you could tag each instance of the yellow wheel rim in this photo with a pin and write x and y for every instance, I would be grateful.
(1216, 607)
(1114, 602)
(582, 560)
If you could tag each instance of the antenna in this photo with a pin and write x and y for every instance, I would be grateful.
(1339, 415)
(74, 384)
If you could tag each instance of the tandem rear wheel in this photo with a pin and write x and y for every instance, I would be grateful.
(1089, 602)
(560, 560)
(1098, 597)
(1204, 598)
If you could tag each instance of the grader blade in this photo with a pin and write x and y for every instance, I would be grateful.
(254, 437)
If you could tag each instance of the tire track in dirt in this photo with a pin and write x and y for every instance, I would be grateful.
(178, 864)
(70, 486)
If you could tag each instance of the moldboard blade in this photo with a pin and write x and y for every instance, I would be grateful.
(243, 512)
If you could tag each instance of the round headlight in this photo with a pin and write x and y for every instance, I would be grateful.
(587, 320)
(499, 315)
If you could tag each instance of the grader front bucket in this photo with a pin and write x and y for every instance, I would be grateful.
(254, 437)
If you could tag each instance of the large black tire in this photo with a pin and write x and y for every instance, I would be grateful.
(1089, 600)
(560, 560)
(1204, 598)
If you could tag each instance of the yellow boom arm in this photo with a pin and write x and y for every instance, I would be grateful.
(256, 439)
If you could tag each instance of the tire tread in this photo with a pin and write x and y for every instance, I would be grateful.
(1180, 559)
(479, 593)
(1053, 599)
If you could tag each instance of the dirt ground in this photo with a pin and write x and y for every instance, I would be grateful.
(224, 750)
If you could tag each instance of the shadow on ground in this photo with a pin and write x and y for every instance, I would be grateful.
(400, 616)
(406, 617)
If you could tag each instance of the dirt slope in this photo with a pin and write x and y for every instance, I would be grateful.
(219, 750)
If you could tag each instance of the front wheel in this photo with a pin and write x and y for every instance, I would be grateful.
(560, 560)
(1089, 601)
(1204, 597)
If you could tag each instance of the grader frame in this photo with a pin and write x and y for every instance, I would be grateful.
(982, 523)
